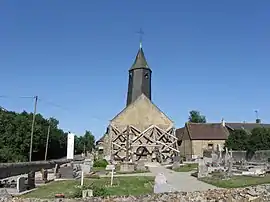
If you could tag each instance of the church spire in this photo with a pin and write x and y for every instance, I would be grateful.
(140, 61)
(139, 78)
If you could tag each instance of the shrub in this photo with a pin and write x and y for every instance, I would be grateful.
(97, 191)
(100, 163)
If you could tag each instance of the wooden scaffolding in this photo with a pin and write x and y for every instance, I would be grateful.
(131, 144)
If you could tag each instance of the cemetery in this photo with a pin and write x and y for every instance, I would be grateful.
(230, 170)
(91, 177)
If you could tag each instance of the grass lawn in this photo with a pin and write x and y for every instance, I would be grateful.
(237, 181)
(135, 171)
(96, 169)
(187, 168)
(122, 186)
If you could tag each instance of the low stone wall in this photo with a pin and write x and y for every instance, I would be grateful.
(13, 169)
(252, 194)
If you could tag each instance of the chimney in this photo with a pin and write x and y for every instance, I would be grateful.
(258, 120)
(223, 122)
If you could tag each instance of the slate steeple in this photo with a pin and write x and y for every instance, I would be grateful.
(139, 78)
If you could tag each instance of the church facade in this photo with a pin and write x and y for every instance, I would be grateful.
(141, 131)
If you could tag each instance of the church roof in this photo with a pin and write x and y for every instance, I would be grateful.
(138, 100)
(207, 131)
(140, 61)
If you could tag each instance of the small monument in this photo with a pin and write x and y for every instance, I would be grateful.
(160, 183)
(70, 146)
(202, 169)
(31, 180)
(21, 184)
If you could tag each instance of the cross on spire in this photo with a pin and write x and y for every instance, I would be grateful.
(141, 33)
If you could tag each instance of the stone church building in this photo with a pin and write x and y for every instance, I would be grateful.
(141, 131)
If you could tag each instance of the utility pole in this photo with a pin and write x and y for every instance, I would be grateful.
(47, 141)
(32, 129)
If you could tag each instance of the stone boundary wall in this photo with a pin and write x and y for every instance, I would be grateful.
(258, 156)
(13, 169)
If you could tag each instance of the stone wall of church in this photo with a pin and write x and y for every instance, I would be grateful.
(198, 146)
(141, 114)
(186, 146)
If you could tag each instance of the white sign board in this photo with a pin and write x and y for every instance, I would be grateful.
(110, 167)
(70, 146)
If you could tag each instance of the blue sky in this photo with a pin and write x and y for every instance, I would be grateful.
(211, 56)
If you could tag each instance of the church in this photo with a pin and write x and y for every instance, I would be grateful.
(141, 131)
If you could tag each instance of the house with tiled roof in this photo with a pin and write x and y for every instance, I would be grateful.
(195, 138)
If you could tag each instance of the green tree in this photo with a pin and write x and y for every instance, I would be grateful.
(89, 141)
(237, 140)
(15, 130)
(196, 117)
(259, 139)
(84, 143)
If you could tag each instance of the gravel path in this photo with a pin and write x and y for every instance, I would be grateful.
(181, 181)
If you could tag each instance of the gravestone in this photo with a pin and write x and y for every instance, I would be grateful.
(66, 172)
(202, 169)
(176, 162)
(31, 180)
(214, 159)
(226, 157)
(21, 184)
(140, 166)
(87, 193)
(45, 176)
(161, 184)
(127, 167)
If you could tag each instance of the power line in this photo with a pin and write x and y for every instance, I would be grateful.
(19, 97)
(53, 104)
(48, 103)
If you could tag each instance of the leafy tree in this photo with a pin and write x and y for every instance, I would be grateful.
(84, 143)
(259, 139)
(15, 130)
(196, 117)
(237, 140)
(89, 141)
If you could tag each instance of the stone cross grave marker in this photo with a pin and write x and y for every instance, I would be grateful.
(21, 184)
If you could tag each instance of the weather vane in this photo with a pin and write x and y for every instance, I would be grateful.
(141, 33)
